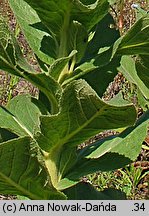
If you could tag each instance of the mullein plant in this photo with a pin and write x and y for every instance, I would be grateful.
(78, 55)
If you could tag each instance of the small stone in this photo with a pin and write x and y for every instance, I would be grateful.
(134, 6)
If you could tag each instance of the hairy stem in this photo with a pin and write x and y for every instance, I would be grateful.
(52, 162)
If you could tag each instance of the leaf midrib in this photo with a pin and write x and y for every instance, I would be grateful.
(68, 137)
(134, 45)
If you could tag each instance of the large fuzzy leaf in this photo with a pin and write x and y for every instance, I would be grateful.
(11, 57)
(98, 62)
(57, 15)
(131, 138)
(103, 35)
(21, 116)
(108, 154)
(83, 114)
(85, 191)
(21, 173)
(100, 67)
(26, 112)
(9, 121)
(69, 22)
(35, 32)
(48, 85)
(97, 66)
(100, 78)
(136, 40)
(13, 61)
(99, 72)
(78, 40)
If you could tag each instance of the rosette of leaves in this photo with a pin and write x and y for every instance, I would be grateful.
(79, 55)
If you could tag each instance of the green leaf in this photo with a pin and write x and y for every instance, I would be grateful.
(20, 67)
(100, 78)
(131, 138)
(118, 100)
(55, 14)
(85, 191)
(62, 18)
(78, 39)
(90, 67)
(83, 167)
(129, 70)
(21, 116)
(59, 64)
(142, 68)
(6, 135)
(104, 35)
(65, 183)
(10, 122)
(98, 71)
(22, 174)
(20, 62)
(22, 198)
(58, 163)
(110, 153)
(136, 40)
(111, 2)
(142, 101)
(45, 101)
(7, 54)
(48, 85)
(82, 115)
(98, 67)
(11, 57)
(25, 111)
(35, 32)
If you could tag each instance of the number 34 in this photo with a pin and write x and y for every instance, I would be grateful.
(139, 206)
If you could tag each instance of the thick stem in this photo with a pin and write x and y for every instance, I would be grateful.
(63, 44)
(52, 164)
(63, 37)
